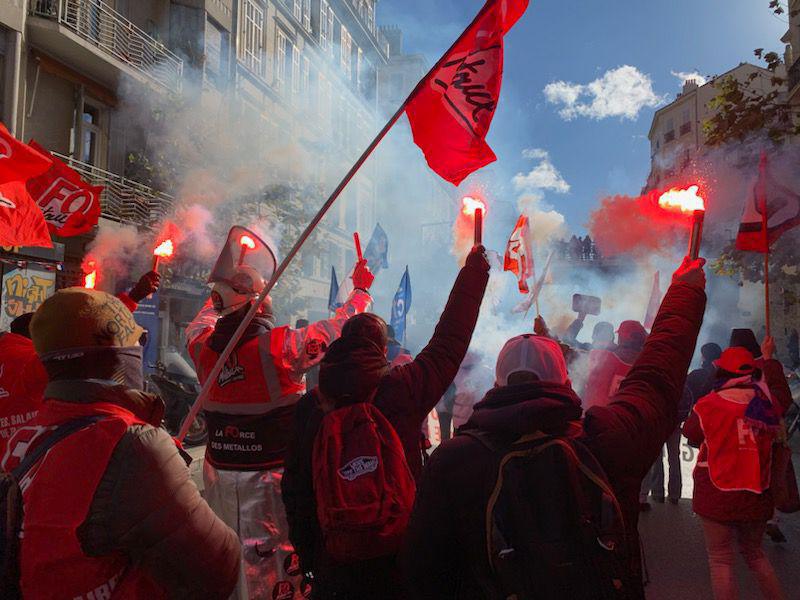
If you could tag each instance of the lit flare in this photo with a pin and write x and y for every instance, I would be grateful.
(682, 200)
(470, 204)
(90, 279)
(165, 249)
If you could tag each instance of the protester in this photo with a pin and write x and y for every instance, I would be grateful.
(735, 426)
(395, 348)
(111, 507)
(444, 410)
(249, 413)
(22, 376)
(700, 382)
(445, 552)
(602, 335)
(355, 370)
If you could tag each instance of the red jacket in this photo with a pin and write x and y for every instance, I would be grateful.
(22, 383)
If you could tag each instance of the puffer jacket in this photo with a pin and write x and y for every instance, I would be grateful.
(145, 512)
(445, 549)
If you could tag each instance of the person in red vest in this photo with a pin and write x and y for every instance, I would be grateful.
(22, 376)
(735, 426)
(111, 509)
(249, 413)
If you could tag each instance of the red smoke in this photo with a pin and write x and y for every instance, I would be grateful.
(636, 225)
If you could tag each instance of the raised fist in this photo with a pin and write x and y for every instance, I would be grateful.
(477, 258)
(362, 276)
(147, 284)
(691, 272)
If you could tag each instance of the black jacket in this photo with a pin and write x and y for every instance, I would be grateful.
(445, 551)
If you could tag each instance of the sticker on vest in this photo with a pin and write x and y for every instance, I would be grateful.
(283, 590)
(102, 591)
(305, 588)
(231, 372)
(291, 565)
(358, 467)
(315, 347)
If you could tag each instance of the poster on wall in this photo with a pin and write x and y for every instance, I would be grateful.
(23, 291)
(148, 318)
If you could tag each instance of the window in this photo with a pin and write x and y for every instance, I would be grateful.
(307, 15)
(324, 101)
(297, 10)
(370, 16)
(216, 54)
(281, 57)
(347, 52)
(325, 25)
(251, 41)
(296, 83)
(91, 133)
(359, 67)
(305, 81)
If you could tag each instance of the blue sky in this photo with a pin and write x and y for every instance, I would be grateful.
(595, 152)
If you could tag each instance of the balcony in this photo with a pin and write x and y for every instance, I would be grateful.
(124, 200)
(80, 29)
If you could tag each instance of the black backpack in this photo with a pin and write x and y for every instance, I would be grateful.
(11, 506)
(554, 528)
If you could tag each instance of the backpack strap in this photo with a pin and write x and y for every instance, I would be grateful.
(62, 431)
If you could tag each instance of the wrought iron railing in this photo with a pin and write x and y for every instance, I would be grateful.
(124, 200)
(99, 24)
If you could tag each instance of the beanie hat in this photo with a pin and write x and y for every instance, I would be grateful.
(530, 353)
(77, 317)
(631, 333)
(746, 339)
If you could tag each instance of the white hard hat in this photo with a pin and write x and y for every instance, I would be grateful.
(231, 295)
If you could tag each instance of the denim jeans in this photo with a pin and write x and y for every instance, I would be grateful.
(721, 539)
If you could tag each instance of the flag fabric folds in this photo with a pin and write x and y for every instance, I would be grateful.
(519, 258)
(377, 251)
(770, 210)
(452, 108)
(400, 306)
(70, 205)
(333, 293)
(21, 221)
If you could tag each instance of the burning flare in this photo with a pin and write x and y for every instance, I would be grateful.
(247, 242)
(90, 279)
(471, 204)
(164, 249)
(685, 201)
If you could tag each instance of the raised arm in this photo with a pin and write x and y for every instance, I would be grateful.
(627, 434)
(429, 375)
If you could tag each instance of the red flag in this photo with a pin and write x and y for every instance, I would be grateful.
(770, 210)
(70, 205)
(21, 221)
(519, 258)
(452, 108)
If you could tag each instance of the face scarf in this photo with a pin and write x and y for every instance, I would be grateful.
(109, 364)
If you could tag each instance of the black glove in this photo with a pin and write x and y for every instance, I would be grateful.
(477, 259)
(147, 284)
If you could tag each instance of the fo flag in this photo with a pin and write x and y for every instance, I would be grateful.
(70, 205)
(519, 258)
(21, 221)
(400, 307)
(452, 108)
(770, 210)
(377, 252)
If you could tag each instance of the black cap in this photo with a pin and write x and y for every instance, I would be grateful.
(746, 339)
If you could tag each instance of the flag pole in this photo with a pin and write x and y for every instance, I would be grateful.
(766, 292)
(237, 335)
(762, 167)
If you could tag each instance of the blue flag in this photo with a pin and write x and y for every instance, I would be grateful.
(333, 303)
(377, 252)
(400, 307)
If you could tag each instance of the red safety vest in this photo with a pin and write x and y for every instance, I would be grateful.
(57, 495)
(22, 383)
(253, 384)
(606, 372)
(737, 458)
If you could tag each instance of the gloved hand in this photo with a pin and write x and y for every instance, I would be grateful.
(540, 327)
(768, 347)
(476, 259)
(362, 276)
(147, 284)
(691, 272)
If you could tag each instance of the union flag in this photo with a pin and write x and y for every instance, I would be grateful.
(770, 210)
(451, 109)
(21, 221)
(70, 205)
(519, 258)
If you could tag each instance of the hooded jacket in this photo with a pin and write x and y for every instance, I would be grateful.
(405, 395)
(119, 502)
(445, 550)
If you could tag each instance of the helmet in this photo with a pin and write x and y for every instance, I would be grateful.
(230, 295)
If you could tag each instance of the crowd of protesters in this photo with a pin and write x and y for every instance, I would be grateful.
(327, 492)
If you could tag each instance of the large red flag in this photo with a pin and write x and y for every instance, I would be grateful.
(770, 210)
(70, 205)
(21, 221)
(452, 108)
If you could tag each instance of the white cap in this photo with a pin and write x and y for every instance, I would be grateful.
(532, 354)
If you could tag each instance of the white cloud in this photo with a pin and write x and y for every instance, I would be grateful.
(620, 92)
(684, 76)
(544, 176)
